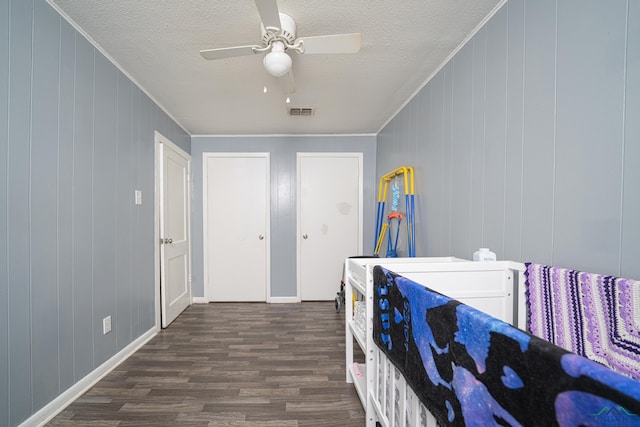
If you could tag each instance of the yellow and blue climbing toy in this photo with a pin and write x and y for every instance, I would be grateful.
(382, 227)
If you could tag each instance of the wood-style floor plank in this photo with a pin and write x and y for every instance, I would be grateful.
(230, 364)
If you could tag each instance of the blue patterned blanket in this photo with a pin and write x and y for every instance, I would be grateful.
(469, 368)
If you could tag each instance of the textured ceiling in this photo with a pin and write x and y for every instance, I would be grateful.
(157, 43)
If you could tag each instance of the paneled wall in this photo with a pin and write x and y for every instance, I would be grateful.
(76, 140)
(528, 140)
(283, 240)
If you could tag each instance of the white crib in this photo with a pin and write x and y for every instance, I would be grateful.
(496, 287)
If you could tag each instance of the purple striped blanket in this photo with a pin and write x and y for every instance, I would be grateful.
(593, 315)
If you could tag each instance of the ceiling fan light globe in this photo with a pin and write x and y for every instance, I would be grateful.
(277, 63)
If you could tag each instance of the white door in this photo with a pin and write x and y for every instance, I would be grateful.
(175, 287)
(329, 220)
(236, 215)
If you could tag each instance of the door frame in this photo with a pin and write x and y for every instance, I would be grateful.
(205, 230)
(159, 140)
(299, 156)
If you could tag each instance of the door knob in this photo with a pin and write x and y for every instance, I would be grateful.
(304, 236)
(167, 241)
(261, 237)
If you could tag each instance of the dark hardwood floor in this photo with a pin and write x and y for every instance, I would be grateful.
(232, 364)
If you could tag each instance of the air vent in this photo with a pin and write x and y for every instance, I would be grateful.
(302, 111)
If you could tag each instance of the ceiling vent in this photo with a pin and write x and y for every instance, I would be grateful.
(302, 111)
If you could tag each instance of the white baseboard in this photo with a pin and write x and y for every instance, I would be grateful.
(275, 300)
(58, 404)
(283, 300)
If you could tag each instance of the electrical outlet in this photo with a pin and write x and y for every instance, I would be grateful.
(106, 325)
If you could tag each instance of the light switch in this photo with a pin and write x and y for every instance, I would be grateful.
(138, 197)
(106, 325)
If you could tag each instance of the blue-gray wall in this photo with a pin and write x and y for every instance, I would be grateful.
(528, 140)
(282, 151)
(76, 140)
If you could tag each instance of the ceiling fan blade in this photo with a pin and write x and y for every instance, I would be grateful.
(228, 52)
(335, 43)
(288, 83)
(268, 10)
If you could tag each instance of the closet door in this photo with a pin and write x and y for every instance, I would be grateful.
(236, 216)
(329, 189)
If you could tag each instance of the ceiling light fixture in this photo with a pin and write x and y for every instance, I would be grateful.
(277, 62)
(288, 100)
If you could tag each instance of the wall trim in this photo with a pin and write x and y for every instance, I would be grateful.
(283, 300)
(57, 405)
(275, 300)
(283, 135)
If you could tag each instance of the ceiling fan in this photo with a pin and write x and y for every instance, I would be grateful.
(279, 38)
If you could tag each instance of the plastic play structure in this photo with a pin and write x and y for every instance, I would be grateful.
(382, 227)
